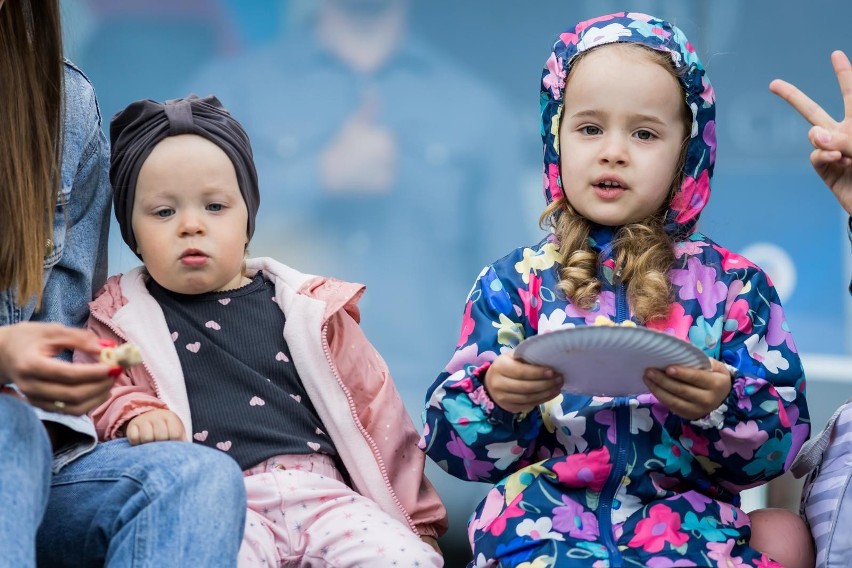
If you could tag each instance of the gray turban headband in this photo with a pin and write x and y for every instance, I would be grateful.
(135, 131)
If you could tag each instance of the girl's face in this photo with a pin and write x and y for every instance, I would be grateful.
(621, 135)
(189, 216)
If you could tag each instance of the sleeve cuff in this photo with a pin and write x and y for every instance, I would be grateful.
(82, 442)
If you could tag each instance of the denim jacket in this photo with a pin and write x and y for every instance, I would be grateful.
(76, 256)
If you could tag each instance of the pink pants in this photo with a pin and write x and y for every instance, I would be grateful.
(301, 513)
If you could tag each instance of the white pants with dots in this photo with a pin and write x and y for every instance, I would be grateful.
(301, 513)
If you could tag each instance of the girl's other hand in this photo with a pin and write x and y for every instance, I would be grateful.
(158, 425)
(516, 386)
(690, 393)
(27, 358)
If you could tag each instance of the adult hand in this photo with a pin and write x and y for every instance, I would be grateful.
(832, 140)
(158, 425)
(517, 386)
(362, 156)
(690, 393)
(27, 353)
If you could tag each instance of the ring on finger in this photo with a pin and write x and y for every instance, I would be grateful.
(59, 405)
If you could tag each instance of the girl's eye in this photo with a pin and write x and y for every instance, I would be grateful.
(163, 213)
(590, 130)
(645, 135)
(214, 207)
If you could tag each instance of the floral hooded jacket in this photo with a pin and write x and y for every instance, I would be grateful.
(622, 481)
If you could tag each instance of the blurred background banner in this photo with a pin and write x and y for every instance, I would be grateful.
(397, 145)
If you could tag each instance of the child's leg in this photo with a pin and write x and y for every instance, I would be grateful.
(783, 536)
(266, 532)
(305, 515)
(258, 547)
(342, 528)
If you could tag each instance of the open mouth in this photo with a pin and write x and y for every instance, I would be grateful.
(608, 184)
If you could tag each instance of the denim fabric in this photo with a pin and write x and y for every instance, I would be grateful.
(154, 505)
(75, 266)
(24, 481)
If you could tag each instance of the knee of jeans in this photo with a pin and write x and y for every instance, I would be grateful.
(22, 432)
(196, 469)
(25, 451)
(222, 475)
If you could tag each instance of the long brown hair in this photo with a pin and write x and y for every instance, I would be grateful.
(644, 252)
(31, 73)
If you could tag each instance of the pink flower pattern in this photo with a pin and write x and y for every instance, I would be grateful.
(554, 486)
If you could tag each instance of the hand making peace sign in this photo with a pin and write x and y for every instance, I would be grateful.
(832, 140)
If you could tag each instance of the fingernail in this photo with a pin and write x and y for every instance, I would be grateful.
(824, 137)
(115, 371)
(106, 343)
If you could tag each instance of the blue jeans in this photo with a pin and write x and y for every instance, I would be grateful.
(24, 481)
(154, 505)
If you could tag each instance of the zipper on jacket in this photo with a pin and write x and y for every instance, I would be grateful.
(621, 311)
(123, 337)
(621, 408)
(379, 461)
(613, 482)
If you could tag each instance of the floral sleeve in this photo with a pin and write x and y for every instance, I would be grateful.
(757, 431)
(464, 431)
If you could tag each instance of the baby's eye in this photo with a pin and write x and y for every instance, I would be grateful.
(645, 135)
(590, 130)
(163, 213)
(214, 207)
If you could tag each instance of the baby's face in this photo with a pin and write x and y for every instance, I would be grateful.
(189, 217)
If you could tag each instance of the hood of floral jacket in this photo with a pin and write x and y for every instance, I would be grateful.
(622, 27)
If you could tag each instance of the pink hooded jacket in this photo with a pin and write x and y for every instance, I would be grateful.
(346, 379)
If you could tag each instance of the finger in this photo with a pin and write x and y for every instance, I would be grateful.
(70, 409)
(678, 386)
(699, 378)
(803, 104)
(529, 390)
(521, 370)
(160, 428)
(671, 401)
(63, 337)
(519, 403)
(132, 434)
(843, 70)
(176, 431)
(526, 386)
(823, 139)
(146, 431)
(50, 370)
(77, 399)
